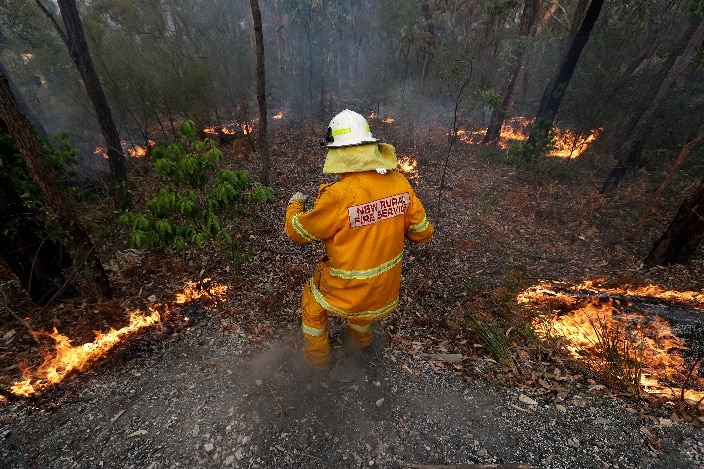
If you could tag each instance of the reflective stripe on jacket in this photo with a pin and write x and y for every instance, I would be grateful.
(363, 220)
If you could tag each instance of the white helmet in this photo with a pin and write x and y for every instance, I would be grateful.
(346, 129)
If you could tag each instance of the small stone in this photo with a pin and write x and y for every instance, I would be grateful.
(527, 400)
(380, 402)
(209, 447)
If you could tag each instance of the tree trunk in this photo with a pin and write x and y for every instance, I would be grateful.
(430, 46)
(75, 41)
(493, 132)
(261, 93)
(671, 173)
(683, 235)
(552, 98)
(629, 154)
(43, 174)
(36, 260)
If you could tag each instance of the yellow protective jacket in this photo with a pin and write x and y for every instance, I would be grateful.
(363, 220)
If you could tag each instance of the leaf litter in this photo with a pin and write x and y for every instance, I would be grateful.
(429, 392)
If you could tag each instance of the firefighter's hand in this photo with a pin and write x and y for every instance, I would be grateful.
(298, 196)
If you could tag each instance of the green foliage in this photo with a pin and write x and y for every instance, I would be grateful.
(493, 339)
(65, 156)
(491, 98)
(15, 174)
(620, 352)
(520, 154)
(195, 196)
(62, 158)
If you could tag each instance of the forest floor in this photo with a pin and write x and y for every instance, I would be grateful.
(453, 377)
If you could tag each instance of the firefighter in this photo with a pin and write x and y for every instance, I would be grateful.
(362, 219)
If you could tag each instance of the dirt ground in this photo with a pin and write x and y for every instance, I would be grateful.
(222, 382)
(193, 401)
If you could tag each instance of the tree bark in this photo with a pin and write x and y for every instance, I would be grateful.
(493, 132)
(36, 260)
(628, 155)
(44, 176)
(683, 235)
(675, 166)
(261, 93)
(75, 41)
(552, 98)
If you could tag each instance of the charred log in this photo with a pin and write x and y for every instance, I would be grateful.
(684, 234)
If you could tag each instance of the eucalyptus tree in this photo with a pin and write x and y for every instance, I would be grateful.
(73, 36)
(683, 235)
(678, 68)
(172, 58)
(261, 91)
(525, 30)
(84, 253)
(555, 91)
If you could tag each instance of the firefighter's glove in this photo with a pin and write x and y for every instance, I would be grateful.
(298, 196)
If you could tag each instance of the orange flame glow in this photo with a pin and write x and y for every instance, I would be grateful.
(194, 291)
(66, 357)
(101, 152)
(565, 143)
(388, 120)
(594, 326)
(409, 167)
(277, 116)
(138, 151)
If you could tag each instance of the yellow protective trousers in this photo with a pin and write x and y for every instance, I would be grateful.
(314, 322)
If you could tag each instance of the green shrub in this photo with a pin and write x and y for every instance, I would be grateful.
(194, 197)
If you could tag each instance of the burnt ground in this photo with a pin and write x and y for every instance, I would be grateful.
(221, 381)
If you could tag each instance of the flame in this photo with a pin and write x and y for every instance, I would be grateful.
(386, 120)
(66, 357)
(277, 116)
(101, 151)
(138, 151)
(565, 143)
(595, 325)
(194, 291)
(247, 128)
(409, 167)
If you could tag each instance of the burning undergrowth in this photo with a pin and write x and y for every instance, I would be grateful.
(625, 334)
(496, 234)
(61, 353)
